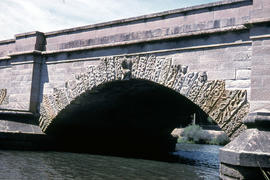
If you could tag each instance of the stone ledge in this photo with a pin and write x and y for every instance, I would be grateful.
(189, 34)
(250, 149)
(23, 62)
(245, 158)
(5, 58)
(25, 53)
(257, 21)
(28, 34)
(260, 37)
(7, 41)
(14, 112)
(137, 54)
(258, 119)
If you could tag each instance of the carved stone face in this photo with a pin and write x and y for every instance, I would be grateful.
(126, 64)
(184, 69)
(202, 76)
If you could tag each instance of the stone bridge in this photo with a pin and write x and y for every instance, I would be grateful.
(212, 57)
(226, 107)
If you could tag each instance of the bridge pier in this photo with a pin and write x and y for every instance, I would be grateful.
(248, 155)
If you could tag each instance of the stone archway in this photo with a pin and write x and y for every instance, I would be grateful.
(226, 107)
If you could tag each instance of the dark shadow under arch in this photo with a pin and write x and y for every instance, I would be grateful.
(130, 117)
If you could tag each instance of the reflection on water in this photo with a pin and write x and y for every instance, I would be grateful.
(63, 165)
(198, 154)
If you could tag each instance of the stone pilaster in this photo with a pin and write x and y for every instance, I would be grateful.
(21, 90)
(249, 153)
(260, 74)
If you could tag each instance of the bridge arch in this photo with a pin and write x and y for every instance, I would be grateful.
(226, 107)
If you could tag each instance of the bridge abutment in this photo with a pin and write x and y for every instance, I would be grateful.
(21, 74)
(248, 155)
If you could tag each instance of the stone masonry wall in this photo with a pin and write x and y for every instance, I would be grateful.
(227, 108)
(18, 78)
(222, 16)
(160, 25)
(260, 82)
(228, 39)
(232, 64)
(18, 86)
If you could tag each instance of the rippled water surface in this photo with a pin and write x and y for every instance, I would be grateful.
(200, 162)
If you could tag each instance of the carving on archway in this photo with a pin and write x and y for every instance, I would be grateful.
(3, 96)
(227, 108)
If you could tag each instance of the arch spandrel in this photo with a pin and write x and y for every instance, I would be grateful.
(226, 107)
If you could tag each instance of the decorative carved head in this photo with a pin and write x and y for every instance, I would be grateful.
(184, 69)
(126, 64)
(202, 76)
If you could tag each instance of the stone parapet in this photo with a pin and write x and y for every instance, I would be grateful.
(223, 16)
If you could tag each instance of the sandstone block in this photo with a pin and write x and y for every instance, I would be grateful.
(260, 94)
(261, 70)
(243, 74)
(256, 81)
(238, 84)
(266, 42)
(257, 105)
(221, 74)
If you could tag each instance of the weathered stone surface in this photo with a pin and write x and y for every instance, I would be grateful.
(232, 172)
(150, 68)
(3, 94)
(243, 74)
(248, 153)
(221, 105)
(229, 40)
(180, 77)
(233, 127)
(238, 84)
(188, 82)
(165, 68)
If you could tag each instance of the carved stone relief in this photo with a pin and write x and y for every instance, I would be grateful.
(226, 108)
(3, 96)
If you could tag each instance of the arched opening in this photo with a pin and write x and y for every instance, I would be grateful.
(226, 107)
(128, 118)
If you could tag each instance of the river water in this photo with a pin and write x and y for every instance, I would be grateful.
(195, 162)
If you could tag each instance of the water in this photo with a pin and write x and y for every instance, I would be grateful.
(27, 165)
(199, 155)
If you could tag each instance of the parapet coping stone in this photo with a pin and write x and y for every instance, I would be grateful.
(127, 20)
(25, 53)
(144, 17)
(20, 36)
(7, 41)
(28, 34)
(14, 112)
